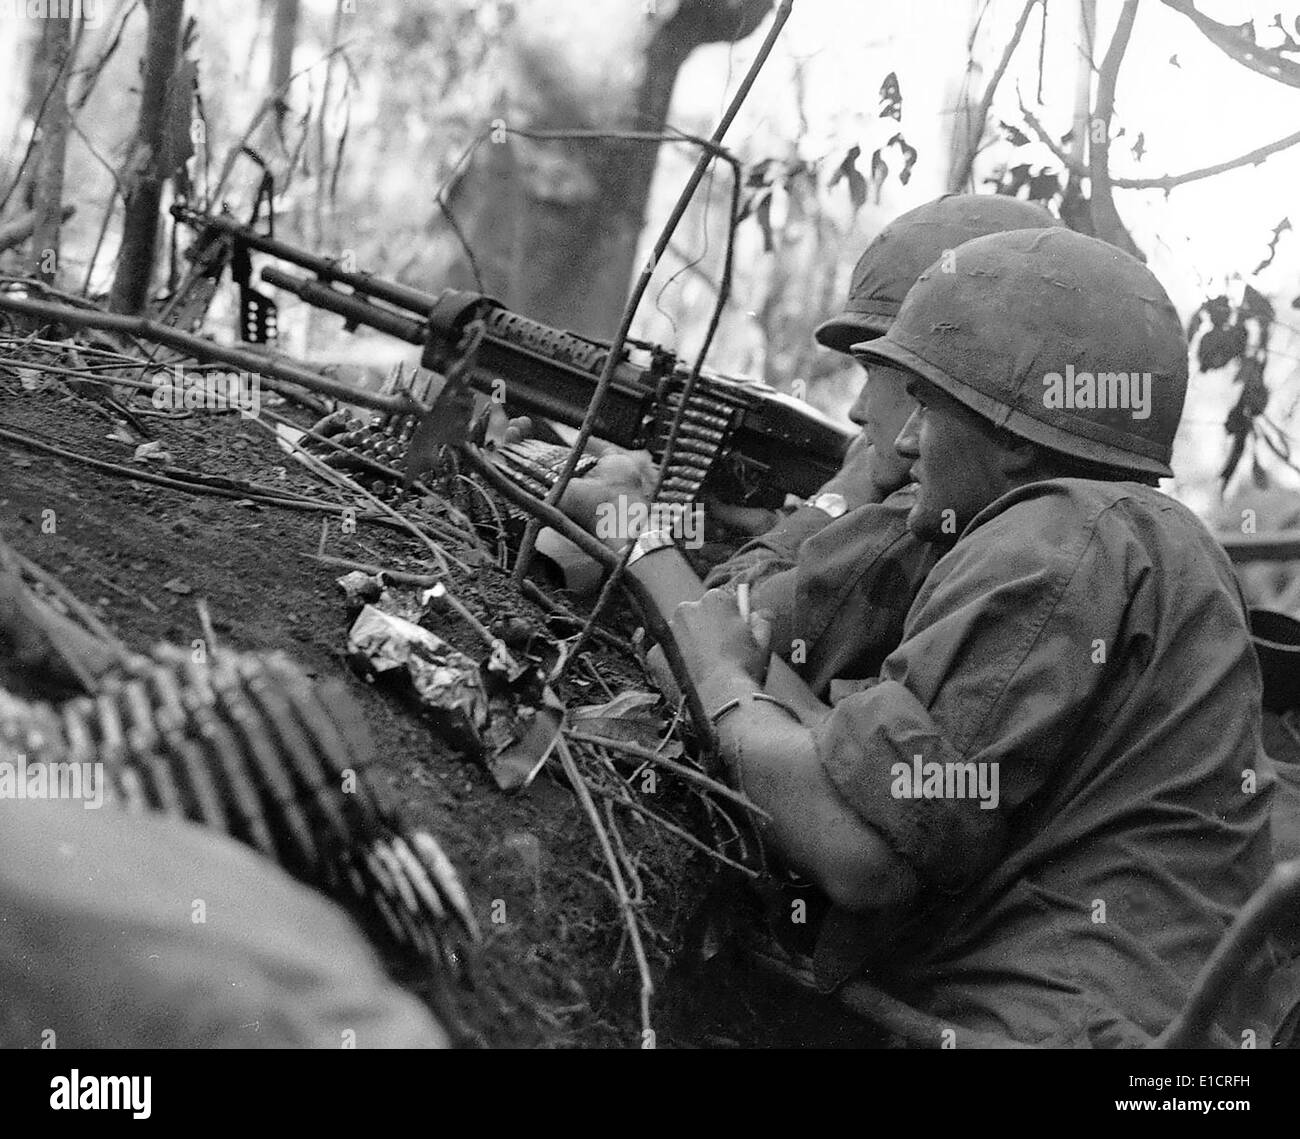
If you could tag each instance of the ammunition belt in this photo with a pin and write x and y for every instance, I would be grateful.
(705, 425)
(245, 745)
(535, 465)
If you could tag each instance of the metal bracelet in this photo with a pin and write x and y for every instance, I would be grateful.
(729, 706)
(732, 705)
(648, 543)
(769, 699)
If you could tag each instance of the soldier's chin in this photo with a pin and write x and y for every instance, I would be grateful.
(888, 482)
(925, 522)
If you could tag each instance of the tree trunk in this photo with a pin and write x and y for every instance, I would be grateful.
(284, 37)
(1076, 210)
(566, 254)
(285, 18)
(1083, 81)
(37, 69)
(144, 180)
(969, 132)
(47, 181)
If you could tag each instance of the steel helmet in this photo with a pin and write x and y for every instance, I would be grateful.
(907, 246)
(1059, 338)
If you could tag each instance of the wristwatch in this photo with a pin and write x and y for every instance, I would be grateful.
(648, 543)
(829, 503)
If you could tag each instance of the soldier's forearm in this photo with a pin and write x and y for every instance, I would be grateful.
(666, 579)
(774, 761)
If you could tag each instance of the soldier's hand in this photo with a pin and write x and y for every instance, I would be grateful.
(711, 632)
(521, 427)
(619, 479)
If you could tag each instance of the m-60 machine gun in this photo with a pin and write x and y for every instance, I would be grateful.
(741, 441)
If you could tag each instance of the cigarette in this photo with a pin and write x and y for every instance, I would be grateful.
(742, 600)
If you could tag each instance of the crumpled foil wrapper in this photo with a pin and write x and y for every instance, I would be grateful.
(444, 682)
(360, 588)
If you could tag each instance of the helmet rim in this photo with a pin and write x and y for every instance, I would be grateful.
(1090, 442)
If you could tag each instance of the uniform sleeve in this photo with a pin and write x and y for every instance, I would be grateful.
(771, 553)
(848, 596)
(142, 931)
(992, 678)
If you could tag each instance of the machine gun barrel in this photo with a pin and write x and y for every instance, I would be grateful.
(354, 310)
(401, 296)
(750, 443)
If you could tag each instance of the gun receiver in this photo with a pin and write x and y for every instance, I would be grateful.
(740, 440)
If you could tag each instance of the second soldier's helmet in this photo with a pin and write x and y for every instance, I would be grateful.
(910, 244)
(1059, 338)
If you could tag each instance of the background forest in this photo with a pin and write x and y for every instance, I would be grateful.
(486, 143)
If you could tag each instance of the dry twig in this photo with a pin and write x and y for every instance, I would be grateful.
(624, 900)
(687, 773)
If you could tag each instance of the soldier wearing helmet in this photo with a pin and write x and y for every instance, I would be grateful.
(845, 560)
(1040, 816)
(838, 574)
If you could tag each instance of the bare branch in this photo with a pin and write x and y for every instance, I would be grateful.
(1164, 182)
(1105, 217)
(1230, 41)
(583, 794)
(961, 171)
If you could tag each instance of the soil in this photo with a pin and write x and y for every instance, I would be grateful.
(143, 555)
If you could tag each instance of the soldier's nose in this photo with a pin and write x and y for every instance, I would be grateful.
(907, 443)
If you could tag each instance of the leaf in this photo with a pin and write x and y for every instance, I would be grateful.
(176, 585)
(1140, 146)
(1234, 457)
(1014, 134)
(757, 175)
(891, 98)
(152, 452)
(909, 157)
(1254, 303)
(32, 380)
(626, 703)
(1018, 176)
(534, 731)
(338, 151)
(857, 184)
(1257, 473)
(633, 717)
(1219, 310)
(1220, 346)
(1044, 186)
(879, 172)
(1278, 230)
(1254, 392)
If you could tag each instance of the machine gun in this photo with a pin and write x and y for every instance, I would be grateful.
(739, 440)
